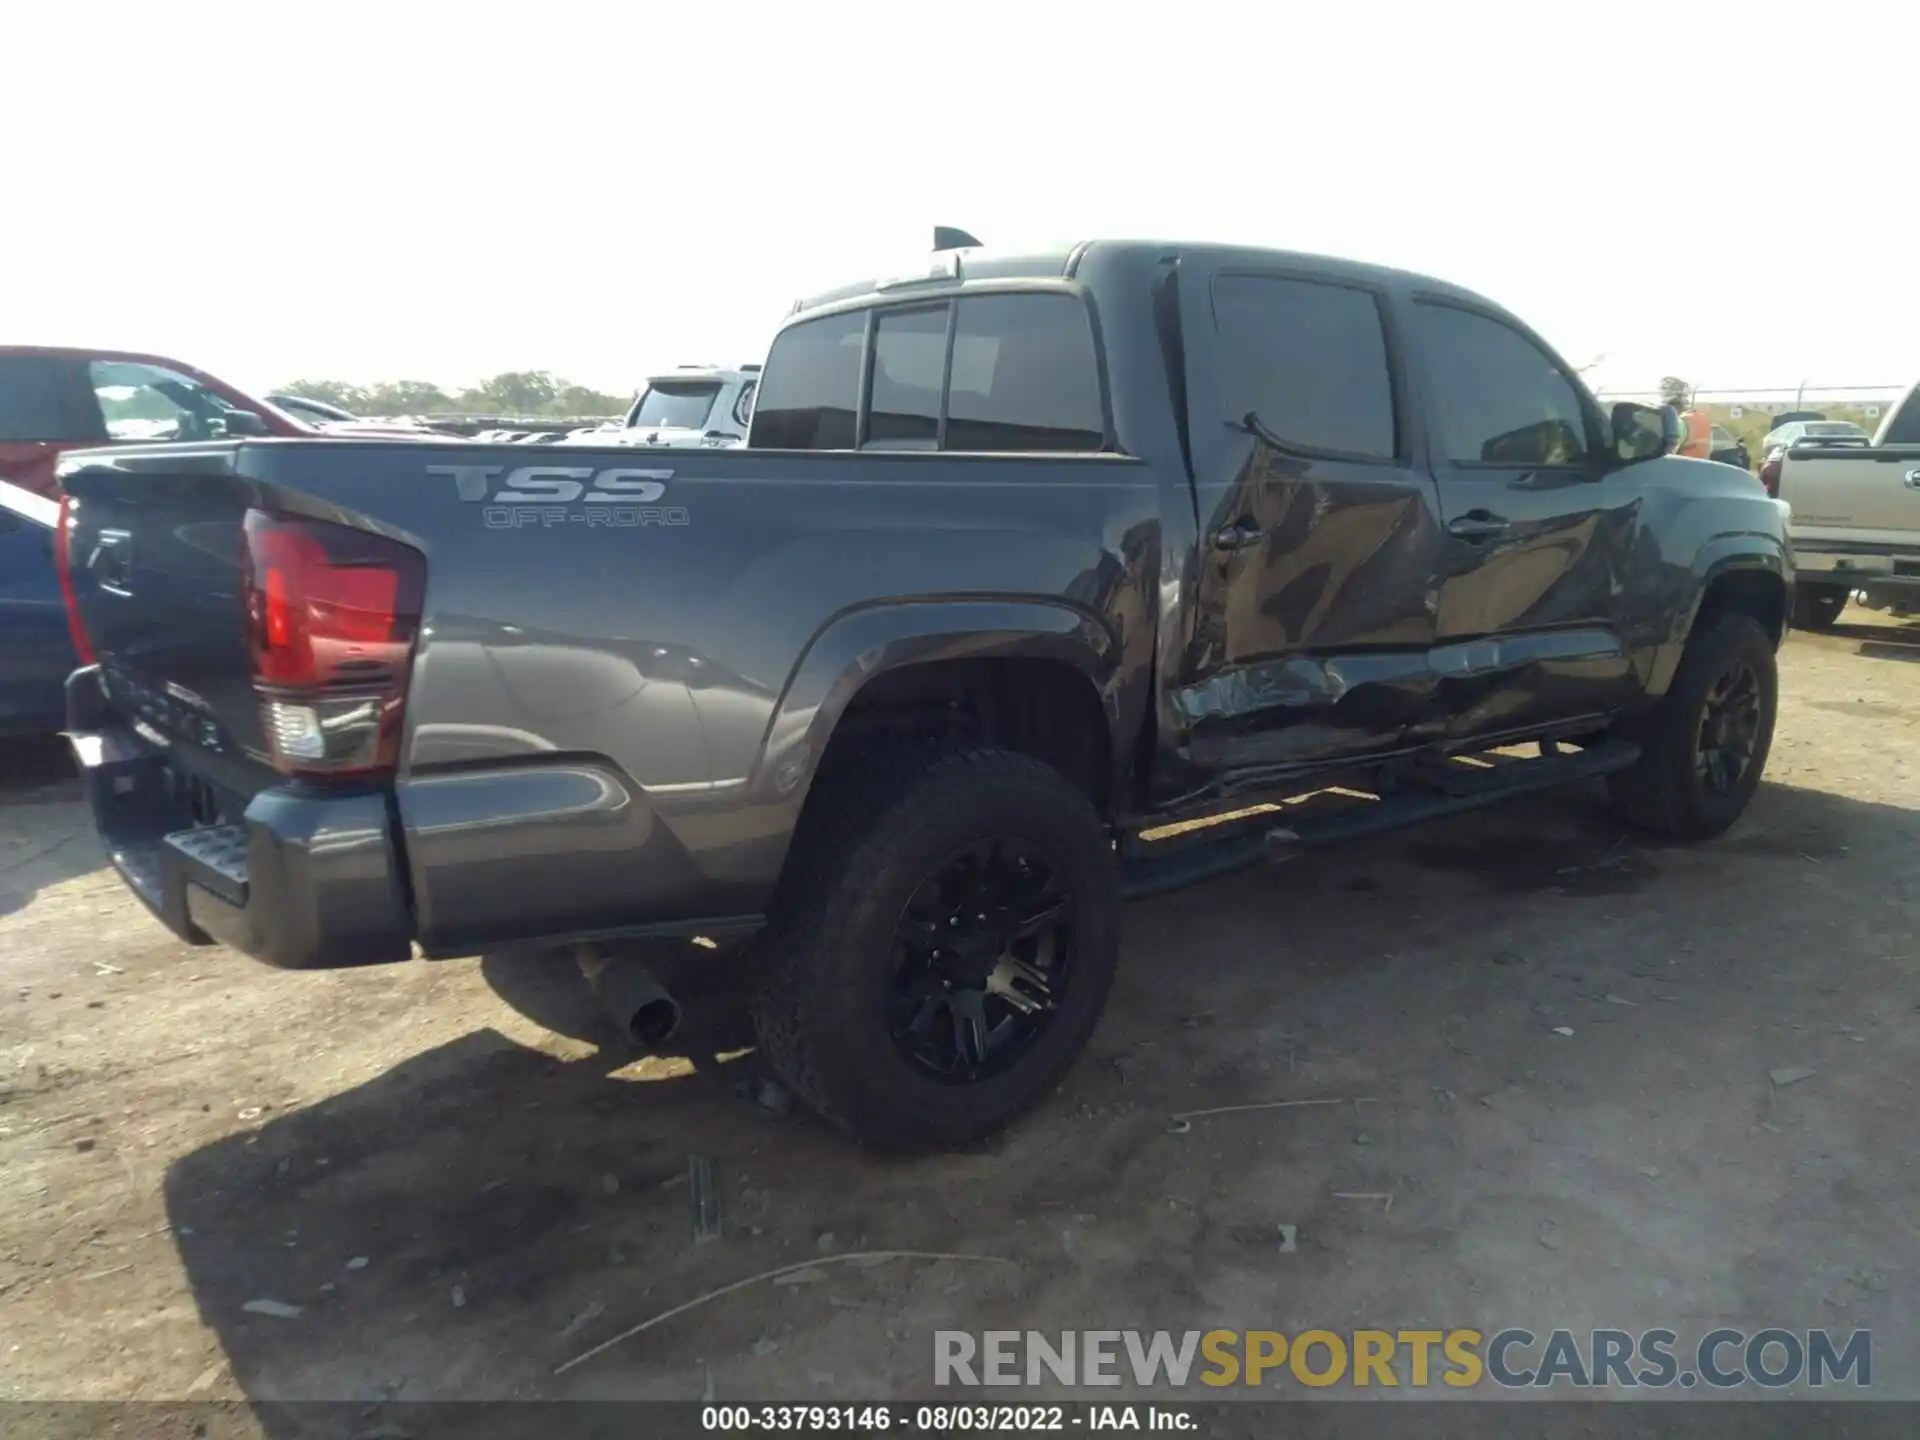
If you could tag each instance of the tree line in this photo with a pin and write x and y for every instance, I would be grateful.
(517, 392)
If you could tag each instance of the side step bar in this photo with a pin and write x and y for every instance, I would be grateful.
(1445, 788)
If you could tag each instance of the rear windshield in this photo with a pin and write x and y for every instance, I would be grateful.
(39, 400)
(676, 404)
(1833, 427)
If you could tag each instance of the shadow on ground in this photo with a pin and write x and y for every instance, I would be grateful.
(44, 836)
(448, 1228)
(1887, 640)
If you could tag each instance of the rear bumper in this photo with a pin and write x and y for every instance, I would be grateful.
(1856, 562)
(301, 881)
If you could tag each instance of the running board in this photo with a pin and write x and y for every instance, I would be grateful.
(1447, 788)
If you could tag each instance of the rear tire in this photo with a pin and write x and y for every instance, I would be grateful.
(851, 1011)
(1704, 747)
(1818, 607)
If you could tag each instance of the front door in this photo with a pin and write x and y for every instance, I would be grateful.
(1319, 533)
(1528, 627)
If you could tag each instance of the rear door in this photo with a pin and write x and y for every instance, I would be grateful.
(44, 409)
(1536, 525)
(1319, 530)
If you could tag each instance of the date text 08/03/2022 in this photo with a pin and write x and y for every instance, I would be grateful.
(883, 1418)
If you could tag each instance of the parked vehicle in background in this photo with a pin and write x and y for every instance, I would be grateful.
(913, 686)
(1830, 432)
(36, 644)
(1728, 449)
(314, 412)
(696, 405)
(1788, 417)
(55, 400)
(1855, 514)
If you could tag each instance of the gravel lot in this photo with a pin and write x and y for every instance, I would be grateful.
(460, 1184)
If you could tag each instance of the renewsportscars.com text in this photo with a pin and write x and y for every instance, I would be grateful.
(1513, 1358)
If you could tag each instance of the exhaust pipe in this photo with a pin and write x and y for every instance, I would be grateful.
(636, 1002)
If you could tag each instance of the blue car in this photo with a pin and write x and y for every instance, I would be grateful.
(36, 647)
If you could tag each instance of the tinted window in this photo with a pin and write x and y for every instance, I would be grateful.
(1025, 376)
(1904, 427)
(909, 360)
(810, 389)
(1498, 399)
(676, 404)
(1309, 359)
(37, 401)
(150, 402)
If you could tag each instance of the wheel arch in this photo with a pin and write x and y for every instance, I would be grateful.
(912, 652)
(1733, 576)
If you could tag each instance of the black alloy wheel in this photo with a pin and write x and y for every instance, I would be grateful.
(984, 956)
(1729, 729)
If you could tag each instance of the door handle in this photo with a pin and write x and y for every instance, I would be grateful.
(1478, 525)
(1237, 536)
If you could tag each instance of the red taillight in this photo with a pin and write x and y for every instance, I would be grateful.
(1770, 475)
(64, 567)
(331, 616)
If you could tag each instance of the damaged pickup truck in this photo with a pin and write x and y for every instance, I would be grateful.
(1030, 558)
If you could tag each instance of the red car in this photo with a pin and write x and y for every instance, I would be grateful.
(54, 400)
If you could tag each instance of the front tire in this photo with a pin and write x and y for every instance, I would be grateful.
(1818, 607)
(1704, 747)
(942, 946)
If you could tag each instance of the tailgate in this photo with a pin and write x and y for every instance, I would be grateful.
(156, 554)
(1869, 495)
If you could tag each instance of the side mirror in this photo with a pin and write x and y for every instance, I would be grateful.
(242, 422)
(1644, 432)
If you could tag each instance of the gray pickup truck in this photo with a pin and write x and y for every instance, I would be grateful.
(1045, 580)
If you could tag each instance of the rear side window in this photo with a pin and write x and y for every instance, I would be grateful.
(1025, 376)
(909, 361)
(39, 400)
(1309, 361)
(810, 390)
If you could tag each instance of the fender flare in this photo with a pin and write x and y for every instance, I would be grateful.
(857, 645)
(1728, 554)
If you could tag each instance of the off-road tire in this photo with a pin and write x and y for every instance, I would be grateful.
(1662, 792)
(872, 833)
(1818, 607)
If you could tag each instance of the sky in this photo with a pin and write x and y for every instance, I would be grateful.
(416, 190)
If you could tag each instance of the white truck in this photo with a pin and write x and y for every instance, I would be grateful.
(1855, 524)
(695, 406)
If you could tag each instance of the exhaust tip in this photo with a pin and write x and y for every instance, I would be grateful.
(631, 998)
(654, 1022)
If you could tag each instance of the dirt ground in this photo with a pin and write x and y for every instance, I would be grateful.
(461, 1183)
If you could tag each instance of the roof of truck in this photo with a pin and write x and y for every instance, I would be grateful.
(1063, 261)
